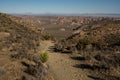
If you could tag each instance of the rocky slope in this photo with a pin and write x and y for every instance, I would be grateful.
(19, 59)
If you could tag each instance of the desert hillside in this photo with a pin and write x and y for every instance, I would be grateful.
(59, 48)
(19, 58)
(98, 44)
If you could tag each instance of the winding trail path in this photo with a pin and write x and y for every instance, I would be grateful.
(61, 65)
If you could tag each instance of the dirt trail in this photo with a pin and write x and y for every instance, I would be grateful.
(61, 65)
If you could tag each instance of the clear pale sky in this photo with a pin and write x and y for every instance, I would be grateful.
(60, 6)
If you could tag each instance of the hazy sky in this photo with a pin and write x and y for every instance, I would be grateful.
(60, 6)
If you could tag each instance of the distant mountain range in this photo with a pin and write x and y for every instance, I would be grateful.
(86, 14)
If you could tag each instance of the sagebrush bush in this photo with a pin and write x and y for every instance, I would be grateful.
(85, 41)
(79, 46)
(43, 57)
(47, 37)
(82, 43)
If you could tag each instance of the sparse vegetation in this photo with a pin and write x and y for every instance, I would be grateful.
(82, 43)
(85, 41)
(47, 37)
(19, 42)
(97, 41)
(43, 56)
(99, 46)
(79, 46)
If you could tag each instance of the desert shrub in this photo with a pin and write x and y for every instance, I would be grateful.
(85, 41)
(107, 41)
(113, 39)
(43, 57)
(47, 37)
(79, 46)
(62, 41)
(60, 45)
(98, 45)
(82, 43)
